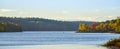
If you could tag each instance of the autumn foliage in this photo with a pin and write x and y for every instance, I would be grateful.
(108, 26)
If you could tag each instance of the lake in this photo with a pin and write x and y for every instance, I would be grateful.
(54, 40)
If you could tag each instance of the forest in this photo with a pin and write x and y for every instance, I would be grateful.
(112, 26)
(10, 27)
(41, 24)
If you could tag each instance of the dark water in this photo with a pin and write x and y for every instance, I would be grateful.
(54, 38)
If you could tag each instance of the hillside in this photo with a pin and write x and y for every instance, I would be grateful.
(10, 27)
(40, 24)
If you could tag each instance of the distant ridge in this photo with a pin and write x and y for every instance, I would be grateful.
(40, 24)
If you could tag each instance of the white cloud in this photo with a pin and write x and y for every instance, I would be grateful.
(114, 8)
(92, 18)
(65, 12)
(67, 15)
(21, 12)
(12, 12)
(104, 18)
(110, 8)
(97, 10)
(89, 18)
(6, 10)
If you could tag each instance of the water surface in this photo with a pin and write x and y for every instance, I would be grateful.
(56, 38)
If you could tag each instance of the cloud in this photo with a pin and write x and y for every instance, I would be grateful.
(6, 10)
(22, 13)
(89, 18)
(104, 18)
(107, 9)
(11, 12)
(65, 12)
(97, 10)
(67, 15)
(114, 8)
(92, 18)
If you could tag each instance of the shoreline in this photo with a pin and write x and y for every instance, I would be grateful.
(66, 46)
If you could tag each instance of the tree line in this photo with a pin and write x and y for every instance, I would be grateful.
(41, 24)
(10, 27)
(107, 26)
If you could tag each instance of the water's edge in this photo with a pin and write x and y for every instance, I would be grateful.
(53, 47)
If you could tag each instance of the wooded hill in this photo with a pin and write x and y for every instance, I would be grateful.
(10, 27)
(40, 24)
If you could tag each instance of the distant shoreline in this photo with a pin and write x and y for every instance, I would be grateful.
(92, 32)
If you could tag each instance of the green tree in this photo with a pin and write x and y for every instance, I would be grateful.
(2, 28)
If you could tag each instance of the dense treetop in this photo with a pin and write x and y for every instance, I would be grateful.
(107, 26)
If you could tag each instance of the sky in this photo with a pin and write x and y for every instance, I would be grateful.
(65, 10)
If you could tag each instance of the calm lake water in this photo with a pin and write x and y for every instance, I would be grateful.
(53, 38)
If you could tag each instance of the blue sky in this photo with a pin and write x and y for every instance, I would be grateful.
(68, 10)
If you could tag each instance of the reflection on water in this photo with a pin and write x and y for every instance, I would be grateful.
(54, 38)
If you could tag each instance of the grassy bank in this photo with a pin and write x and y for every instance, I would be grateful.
(113, 43)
